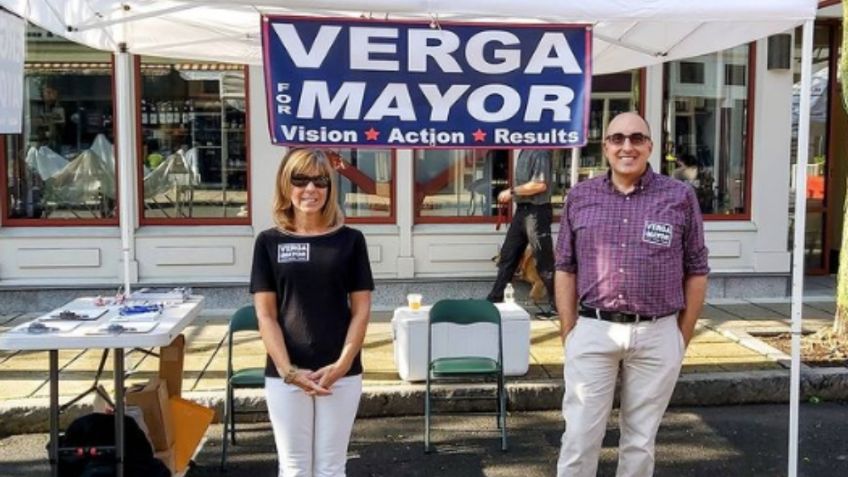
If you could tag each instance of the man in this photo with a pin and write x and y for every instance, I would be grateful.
(530, 224)
(630, 284)
(49, 118)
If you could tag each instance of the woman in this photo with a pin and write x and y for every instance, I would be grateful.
(311, 283)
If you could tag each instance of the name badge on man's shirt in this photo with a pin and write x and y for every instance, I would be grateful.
(292, 252)
(657, 234)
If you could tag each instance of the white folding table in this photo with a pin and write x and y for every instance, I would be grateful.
(90, 335)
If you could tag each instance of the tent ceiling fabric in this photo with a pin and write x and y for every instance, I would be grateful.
(628, 33)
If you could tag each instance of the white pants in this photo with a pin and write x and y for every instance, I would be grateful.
(649, 355)
(312, 433)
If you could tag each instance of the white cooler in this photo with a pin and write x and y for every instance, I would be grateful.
(409, 332)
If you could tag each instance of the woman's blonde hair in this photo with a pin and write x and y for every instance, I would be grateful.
(307, 162)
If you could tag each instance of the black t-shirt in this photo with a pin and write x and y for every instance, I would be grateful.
(312, 277)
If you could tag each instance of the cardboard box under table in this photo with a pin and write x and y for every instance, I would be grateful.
(409, 331)
(152, 399)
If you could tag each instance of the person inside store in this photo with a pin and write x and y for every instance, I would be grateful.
(311, 283)
(690, 172)
(687, 170)
(631, 276)
(531, 224)
(48, 118)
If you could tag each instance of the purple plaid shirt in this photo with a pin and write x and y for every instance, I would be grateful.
(631, 252)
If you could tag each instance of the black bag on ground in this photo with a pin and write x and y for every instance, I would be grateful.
(87, 449)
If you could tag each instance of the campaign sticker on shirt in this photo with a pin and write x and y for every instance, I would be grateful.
(292, 252)
(657, 234)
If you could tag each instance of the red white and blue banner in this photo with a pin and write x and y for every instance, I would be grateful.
(371, 83)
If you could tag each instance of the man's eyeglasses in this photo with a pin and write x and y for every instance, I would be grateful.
(636, 139)
(321, 182)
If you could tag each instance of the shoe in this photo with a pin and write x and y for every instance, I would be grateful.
(549, 314)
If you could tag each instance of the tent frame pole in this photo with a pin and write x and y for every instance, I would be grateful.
(125, 143)
(798, 242)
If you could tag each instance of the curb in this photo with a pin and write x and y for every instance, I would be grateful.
(701, 389)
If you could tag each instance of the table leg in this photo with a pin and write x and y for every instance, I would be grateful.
(119, 412)
(54, 412)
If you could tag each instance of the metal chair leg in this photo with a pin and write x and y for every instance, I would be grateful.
(232, 416)
(427, 416)
(498, 405)
(502, 411)
(225, 436)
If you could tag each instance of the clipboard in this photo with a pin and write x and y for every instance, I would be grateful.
(40, 327)
(79, 314)
(126, 327)
(147, 317)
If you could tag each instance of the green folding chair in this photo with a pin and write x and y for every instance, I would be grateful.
(244, 319)
(465, 368)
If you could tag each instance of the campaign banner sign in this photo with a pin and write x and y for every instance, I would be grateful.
(373, 83)
(11, 72)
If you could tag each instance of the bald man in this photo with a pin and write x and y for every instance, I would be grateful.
(631, 275)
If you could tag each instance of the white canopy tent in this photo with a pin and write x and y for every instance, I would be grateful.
(627, 34)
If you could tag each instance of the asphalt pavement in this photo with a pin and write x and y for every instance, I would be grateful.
(745, 441)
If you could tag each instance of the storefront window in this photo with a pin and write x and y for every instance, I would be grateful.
(459, 184)
(62, 166)
(611, 95)
(366, 179)
(705, 128)
(193, 142)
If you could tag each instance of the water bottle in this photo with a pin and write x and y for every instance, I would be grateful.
(509, 294)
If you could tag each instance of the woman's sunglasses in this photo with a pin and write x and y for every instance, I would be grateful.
(321, 182)
(637, 139)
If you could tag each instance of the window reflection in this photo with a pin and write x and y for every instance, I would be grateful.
(611, 95)
(63, 166)
(365, 183)
(460, 182)
(193, 120)
(705, 124)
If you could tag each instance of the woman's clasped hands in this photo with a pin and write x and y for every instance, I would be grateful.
(319, 382)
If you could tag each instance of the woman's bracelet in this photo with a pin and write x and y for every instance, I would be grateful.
(290, 375)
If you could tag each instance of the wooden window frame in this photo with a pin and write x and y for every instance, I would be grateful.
(494, 219)
(749, 137)
(7, 221)
(192, 221)
(392, 218)
(557, 215)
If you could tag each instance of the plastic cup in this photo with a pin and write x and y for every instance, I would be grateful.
(414, 300)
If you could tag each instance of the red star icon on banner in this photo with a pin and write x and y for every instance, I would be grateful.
(479, 135)
(372, 134)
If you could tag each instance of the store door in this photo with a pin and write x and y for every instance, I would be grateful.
(826, 171)
(837, 160)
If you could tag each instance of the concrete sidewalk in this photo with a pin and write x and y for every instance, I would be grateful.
(724, 364)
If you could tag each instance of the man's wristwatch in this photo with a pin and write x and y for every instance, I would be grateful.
(512, 191)
(290, 375)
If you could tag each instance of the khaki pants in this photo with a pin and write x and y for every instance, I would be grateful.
(649, 355)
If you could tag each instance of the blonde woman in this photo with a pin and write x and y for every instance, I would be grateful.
(311, 283)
